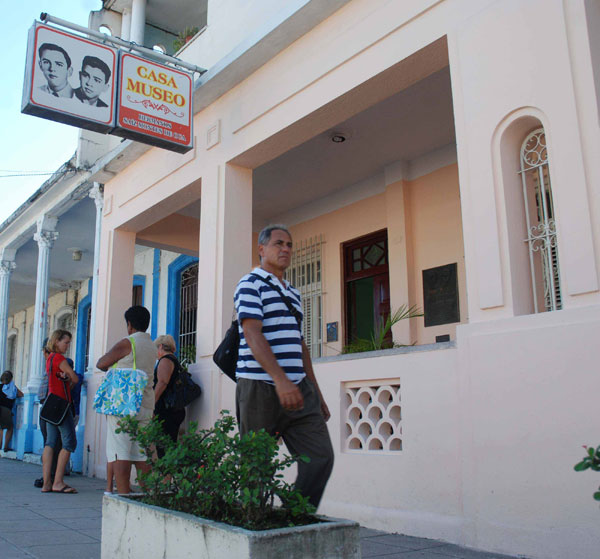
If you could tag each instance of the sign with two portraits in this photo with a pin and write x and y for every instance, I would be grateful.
(94, 86)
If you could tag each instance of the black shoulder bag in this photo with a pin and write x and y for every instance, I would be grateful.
(226, 355)
(55, 408)
(181, 390)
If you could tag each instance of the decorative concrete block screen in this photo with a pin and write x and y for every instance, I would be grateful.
(373, 416)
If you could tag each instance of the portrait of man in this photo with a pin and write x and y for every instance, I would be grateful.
(94, 77)
(55, 63)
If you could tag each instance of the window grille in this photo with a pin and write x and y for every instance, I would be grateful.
(65, 322)
(88, 320)
(305, 274)
(12, 353)
(373, 416)
(541, 226)
(188, 310)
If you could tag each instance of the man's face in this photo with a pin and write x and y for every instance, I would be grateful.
(92, 82)
(55, 69)
(277, 252)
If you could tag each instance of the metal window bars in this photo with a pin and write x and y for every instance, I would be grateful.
(541, 226)
(88, 321)
(305, 274)
(188, 313)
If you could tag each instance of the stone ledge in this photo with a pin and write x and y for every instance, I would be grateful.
(386, 352)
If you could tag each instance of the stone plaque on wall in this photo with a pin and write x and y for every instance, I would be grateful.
(440, 295)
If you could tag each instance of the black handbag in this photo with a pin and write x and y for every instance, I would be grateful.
(55, 408)
(183, 390)
(226, 355)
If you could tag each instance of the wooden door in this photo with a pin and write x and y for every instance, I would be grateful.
(367, 288)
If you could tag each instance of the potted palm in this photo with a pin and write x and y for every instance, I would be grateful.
(184, 37)
(381, 337)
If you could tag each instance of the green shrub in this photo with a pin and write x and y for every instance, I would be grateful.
(590, 462)
(220, 475)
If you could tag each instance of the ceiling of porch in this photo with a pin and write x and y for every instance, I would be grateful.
(75, 230)
(160, 13)
(405, 126)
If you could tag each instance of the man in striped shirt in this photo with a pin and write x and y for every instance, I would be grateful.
(277, 389)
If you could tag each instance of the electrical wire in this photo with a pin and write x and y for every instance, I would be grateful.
(31, 174)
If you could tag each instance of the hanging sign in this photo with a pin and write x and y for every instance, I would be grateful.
(70, 79)
(154, 104)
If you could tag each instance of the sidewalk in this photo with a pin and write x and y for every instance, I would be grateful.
(54, 526)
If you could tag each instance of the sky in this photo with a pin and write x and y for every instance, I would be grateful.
(30, 144)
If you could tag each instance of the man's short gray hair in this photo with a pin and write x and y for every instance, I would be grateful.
(265, 235)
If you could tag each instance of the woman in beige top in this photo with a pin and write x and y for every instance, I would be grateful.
(120, 448)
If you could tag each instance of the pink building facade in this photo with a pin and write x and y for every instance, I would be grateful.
(441, 154)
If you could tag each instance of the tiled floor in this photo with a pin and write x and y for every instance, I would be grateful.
(55, 526)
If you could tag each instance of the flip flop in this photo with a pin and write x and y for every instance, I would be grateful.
(67, 489)
(49, 491)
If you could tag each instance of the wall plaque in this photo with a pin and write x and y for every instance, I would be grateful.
(440, 295)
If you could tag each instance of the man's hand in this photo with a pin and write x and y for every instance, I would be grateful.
(289, 395)
(325, 410)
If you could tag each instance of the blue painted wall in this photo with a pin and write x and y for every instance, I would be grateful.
(173, 293)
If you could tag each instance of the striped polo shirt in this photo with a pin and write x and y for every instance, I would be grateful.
(256, 299)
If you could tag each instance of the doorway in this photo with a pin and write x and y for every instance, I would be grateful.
(367, 285)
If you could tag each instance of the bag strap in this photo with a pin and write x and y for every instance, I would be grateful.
(293, 310)
(176, 366)
(51, 357)
(67, 392)
(132, 342)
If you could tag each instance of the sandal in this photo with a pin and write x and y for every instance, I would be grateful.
(66, 489)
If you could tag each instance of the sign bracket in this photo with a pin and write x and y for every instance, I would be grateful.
(131, 46)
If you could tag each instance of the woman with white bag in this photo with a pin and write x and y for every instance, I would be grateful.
(136, 352)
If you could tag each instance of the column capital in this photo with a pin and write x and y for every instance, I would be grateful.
(96, 193)
(6, 267)
(8, 254)
(46, 223)
(45, 239)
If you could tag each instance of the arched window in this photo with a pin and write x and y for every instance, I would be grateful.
(188, 310)
(64, 321)
(182, 305)
(11, 352)
(541, 226)
(64, 318)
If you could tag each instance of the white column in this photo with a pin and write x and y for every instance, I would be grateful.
(7, 265)
(96, 193)
(225, 255)
(45, 236)
(126, 24)
(138, 21)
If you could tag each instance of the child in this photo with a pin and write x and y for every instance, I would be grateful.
(8, 395)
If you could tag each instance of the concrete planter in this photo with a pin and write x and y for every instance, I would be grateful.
(134, 530)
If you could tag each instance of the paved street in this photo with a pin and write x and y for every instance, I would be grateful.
(55, 526)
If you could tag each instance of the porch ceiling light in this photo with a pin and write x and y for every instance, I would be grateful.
(75, 253)
(338, 137)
